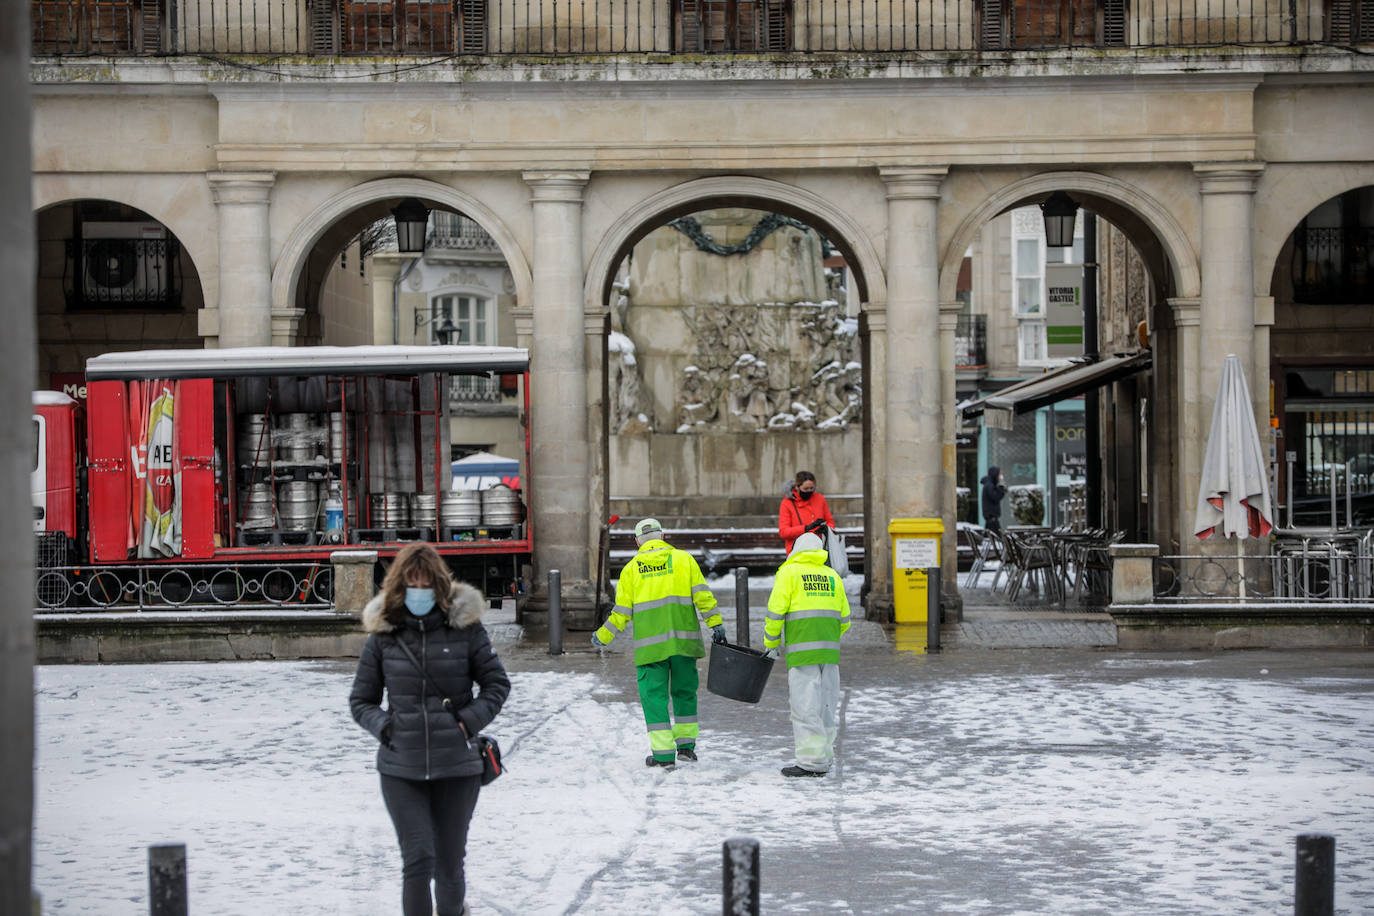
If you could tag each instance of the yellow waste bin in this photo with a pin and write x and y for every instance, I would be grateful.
(915, 548)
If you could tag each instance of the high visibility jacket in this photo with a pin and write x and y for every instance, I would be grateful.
(808, 610)
(662, 590)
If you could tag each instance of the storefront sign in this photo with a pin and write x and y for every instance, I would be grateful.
(1064, 312)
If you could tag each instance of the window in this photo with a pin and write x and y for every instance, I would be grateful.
(469, 315)
(733, 25)
(1333, 251)
(1005, 24)
(1029, 271)
(1031, 344)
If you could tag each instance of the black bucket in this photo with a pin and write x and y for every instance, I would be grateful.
(738, 672)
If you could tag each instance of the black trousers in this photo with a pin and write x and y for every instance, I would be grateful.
(431, 819)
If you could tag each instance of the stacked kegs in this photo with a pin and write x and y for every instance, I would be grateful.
(298, 502)
(340, 432)
(253, 446)
(257, 506)
(422, 506)
(461, 509)
(390, 510)
(298, 438)
(501, 507)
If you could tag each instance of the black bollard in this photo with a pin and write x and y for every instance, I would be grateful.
(1314, 885)
(555, 612)
(741, 877)
(741, 605)
(167, 880)
(933, 610)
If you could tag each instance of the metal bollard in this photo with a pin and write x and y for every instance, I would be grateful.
(1314, 885)
(742, 605)
(933, 610)
(555, 612)
(741, 877)
(167, 879)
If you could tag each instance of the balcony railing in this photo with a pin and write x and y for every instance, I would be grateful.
(971, 342)
(1333, 265)
(453, 230)
(333, 28)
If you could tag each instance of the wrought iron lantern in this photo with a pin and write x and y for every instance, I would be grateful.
(412, 219)
(1059, 213)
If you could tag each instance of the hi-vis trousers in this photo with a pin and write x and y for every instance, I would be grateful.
(675, 677)
(813, 692)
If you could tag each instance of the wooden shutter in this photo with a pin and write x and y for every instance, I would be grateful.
(775, 25)
(991, 25)
(689, 31)
(472, 26)
(1113, 23)
(1349, 21)
(324, 27)
(427, 26)
(150, 37)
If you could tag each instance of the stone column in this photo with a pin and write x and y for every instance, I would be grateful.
(913, 389)
(877, 548)
(245, 258)
(949, 510)
(1188, 443)
(354, 583)
(596, 323)
(558, 393)
(385, 270)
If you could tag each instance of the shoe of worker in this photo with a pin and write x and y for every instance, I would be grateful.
(686, 753)
(652, 761)
(800, 771)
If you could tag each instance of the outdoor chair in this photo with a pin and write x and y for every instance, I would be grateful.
(1006, 560)
(1035, 568)
(985, 548)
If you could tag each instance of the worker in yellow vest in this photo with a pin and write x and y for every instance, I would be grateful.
(808, 612)
(663, 591)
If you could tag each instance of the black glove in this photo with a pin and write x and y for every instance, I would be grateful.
(816, 524)
(718, 633)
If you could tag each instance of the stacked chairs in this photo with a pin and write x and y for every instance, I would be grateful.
(1092, 563)
(986, 547)
(1035, 568)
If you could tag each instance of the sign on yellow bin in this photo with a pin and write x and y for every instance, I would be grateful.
(915, 548)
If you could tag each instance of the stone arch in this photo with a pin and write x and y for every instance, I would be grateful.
(736, 191)
(1291, 197)
(1126, 205)
(287, 269)
(189, 227)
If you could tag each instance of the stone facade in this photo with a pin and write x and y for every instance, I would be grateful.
(1205, 157)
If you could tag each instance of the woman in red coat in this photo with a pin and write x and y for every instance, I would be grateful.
(802, 509)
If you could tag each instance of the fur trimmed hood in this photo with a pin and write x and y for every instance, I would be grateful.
(465, 607)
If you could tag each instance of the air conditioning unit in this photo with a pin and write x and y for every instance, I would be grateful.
(124, 263)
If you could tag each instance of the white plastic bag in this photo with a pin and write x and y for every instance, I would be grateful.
(839, 560)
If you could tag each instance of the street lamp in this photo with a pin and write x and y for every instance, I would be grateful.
(412, 218)
(446, 331)
(1059, 213)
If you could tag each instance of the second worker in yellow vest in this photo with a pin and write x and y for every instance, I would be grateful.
(661, 592)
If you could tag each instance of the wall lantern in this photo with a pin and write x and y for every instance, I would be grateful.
(1059, 213)
(446, 332)
(412, 219)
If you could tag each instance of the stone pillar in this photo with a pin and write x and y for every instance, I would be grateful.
(245, 258)
(558, 394)
(949, 509)
(596, 323)
(354, 580)
(385, 269)
(913, 391)
(1188, 443)
(1133, 573)
(877, 548)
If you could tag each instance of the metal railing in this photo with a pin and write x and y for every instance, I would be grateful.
(971, 342)
(468, 389)
(453, 230)
(1329, 573)
(1333, 265)
(243, 586)
(429, 28)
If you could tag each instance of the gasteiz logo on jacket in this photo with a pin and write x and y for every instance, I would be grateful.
(812, 582)
(659, 567)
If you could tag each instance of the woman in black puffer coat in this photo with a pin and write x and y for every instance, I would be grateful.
(430, 773)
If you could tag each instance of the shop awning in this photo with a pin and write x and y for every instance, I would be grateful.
(998, 408)
(363, 360)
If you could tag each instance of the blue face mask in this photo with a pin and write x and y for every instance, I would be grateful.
(419, 601)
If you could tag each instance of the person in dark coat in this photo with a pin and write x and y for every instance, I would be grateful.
(430, 773)
(993, 491)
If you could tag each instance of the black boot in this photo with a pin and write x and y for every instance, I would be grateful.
(686, 753)
(800, 771)
(652, 761)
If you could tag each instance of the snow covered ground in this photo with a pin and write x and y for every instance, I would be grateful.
(971, 783)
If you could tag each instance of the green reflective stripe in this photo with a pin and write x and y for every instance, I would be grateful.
(685, 600)
(810, 613)
(775, 615)
(659, 726)
(688, 740)
(623, 610)
(688, 635)
(661, 741)
(610, 624)
(813, 647)
(681, 720)
(700, 587)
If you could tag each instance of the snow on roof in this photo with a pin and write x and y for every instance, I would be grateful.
(51, 399)
(364, 360)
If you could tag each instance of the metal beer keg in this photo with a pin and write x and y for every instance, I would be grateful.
(501, 507)
(298, 502)
(461, 509)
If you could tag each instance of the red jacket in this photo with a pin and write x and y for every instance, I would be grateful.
(795, 514)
